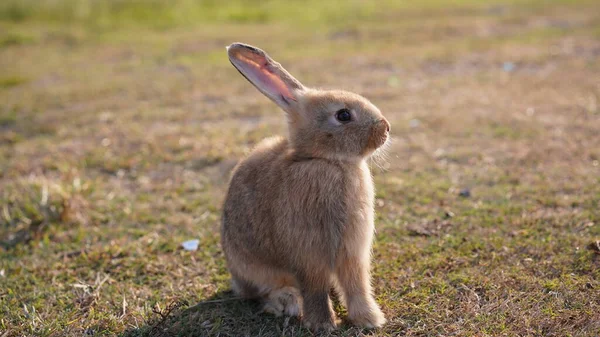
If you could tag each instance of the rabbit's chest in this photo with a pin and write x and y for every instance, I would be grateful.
(359, 202)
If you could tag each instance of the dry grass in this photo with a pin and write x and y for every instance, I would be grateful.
(116, 145)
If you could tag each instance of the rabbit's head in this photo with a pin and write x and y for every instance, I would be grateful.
(332, 124)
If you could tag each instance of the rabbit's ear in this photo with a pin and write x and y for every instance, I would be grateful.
(265, 74)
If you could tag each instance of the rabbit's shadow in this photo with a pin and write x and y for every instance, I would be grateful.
(224, 314)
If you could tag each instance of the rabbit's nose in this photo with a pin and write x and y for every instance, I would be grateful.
(386, 123)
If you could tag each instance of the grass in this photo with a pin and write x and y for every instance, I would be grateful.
(9, 82)
(162, 13)
(120, 122)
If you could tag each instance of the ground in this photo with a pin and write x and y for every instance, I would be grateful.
(120, 123)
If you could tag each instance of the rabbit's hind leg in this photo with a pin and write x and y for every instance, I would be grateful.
(282, 296)
(283, 301)
(276, 289)
(246, 289)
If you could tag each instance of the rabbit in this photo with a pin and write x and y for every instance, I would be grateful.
(298, 216)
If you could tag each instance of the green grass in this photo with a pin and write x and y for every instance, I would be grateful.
(9, 82)
(120, 122)
(165, 14)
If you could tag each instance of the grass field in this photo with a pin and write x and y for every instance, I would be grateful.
(120, 122)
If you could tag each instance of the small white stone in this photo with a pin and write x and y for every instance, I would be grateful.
(191, 245)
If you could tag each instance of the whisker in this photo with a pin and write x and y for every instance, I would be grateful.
(380, 157)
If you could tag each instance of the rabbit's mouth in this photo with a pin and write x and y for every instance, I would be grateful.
(379, 135)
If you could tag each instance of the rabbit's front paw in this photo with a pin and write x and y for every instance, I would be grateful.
(319, 325)
(368, 316)
(318, 311)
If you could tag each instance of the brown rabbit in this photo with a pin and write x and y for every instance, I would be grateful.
(298, 216)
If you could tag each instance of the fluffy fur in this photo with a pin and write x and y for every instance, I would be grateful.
(298, 216)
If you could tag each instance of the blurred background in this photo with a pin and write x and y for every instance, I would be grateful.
(120, 122)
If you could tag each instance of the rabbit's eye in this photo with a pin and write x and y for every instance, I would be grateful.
(343, 115)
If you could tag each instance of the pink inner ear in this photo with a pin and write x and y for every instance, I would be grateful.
(264, 77)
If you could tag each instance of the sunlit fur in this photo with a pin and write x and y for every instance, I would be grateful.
(298, 218)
